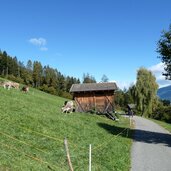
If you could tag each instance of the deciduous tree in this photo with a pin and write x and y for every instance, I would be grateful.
(164, 49)
(104, 78)
(37, 73)
(145, 91)
(87, 78)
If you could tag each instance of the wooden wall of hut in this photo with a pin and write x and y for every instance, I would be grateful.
(100, 102)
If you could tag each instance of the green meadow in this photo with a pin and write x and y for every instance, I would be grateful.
(33, 129)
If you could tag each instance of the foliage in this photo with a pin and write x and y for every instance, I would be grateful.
(33, 129)
(15, 79)
(34, 74)
(104, 79)
(37, 74)
(87, 78)
(66, 95)
(47, 89)
(166, 102)
(164, 49)
(145, 92)
(162, 113)
(119, 100)
(123, 98)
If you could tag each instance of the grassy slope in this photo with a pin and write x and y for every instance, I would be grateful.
(32, 130)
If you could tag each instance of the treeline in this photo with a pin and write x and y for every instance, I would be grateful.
(143, 95)
(34, 74)
(161, 109)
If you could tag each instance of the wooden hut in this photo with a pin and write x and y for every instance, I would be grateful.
(98, 97)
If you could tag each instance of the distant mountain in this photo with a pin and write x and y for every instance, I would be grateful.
(164, 93)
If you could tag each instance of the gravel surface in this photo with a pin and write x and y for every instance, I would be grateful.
(151, 150)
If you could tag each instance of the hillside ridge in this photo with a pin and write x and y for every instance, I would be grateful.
(165, 93)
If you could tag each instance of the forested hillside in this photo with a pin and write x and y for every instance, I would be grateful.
(36, 75)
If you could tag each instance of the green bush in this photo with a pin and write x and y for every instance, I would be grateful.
(15, 79)
(162, 113)
(47, 89)
(66, 95)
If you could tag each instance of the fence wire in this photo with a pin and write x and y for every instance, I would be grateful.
(38, 159)
(52, 166)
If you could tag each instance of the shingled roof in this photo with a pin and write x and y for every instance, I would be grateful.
(93, 87)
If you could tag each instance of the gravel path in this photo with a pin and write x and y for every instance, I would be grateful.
(151, 150)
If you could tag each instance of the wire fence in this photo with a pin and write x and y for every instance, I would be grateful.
(83, 151)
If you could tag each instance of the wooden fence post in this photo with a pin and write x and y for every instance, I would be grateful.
(68, 156)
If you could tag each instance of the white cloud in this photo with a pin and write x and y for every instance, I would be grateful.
(38, 41)
(123, 84)
(157, 70)
(43, 48)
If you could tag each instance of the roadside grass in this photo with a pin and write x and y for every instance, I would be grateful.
(32, 132)
(165, 125)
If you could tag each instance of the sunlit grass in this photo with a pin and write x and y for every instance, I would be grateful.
(32, 132)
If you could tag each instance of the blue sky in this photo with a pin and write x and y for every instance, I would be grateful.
(111, 37)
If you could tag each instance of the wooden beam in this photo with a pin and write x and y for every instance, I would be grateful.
(106, 108)
(94, 97)
(78, 104)
(109, 103)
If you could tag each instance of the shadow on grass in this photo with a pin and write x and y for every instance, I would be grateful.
(139, 135)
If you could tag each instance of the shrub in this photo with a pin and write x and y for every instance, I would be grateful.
(162, 113)
(66, 95)
(15, 79)
(47, 89)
